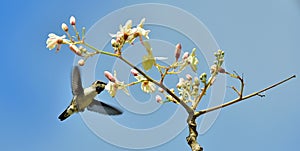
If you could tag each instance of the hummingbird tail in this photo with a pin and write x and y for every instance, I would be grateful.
(68, 112)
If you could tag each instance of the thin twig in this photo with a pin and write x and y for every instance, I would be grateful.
(243, 98)
(236, 90)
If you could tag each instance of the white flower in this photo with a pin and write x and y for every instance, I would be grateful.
(141, 24)
(138, 31)
(113, 87)
(54, 41)
(127, 34)
(126, 29)
(148, 86)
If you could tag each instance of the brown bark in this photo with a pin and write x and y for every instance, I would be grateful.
(193, 134)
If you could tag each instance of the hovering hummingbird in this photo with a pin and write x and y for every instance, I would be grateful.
(84, 98)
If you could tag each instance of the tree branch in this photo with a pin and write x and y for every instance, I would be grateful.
(186, 107)
(192, 138)
(241, 99)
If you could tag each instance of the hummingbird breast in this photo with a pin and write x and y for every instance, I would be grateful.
(86, 98)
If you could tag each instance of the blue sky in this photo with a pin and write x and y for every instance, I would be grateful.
(260, 38)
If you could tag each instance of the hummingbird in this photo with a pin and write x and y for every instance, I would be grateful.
(84, 98)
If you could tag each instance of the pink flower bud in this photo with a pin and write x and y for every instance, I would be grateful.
(81, 62)
(158, 99)
(64, 27)
(134, 72)
(161, 90)
(185, 55)
(188, 77)
(109, 76)
(72, 20)
(177, 51)
(222, 70)
(75, 49)
(213, 69)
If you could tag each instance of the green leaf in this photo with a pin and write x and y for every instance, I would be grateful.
(148, 62)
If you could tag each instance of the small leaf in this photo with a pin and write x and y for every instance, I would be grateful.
(148, 62)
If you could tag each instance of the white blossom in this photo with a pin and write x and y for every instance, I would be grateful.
(54, 40)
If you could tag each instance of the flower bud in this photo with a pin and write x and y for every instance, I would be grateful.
(109, 76)
(82, 49)
(180, 83)
(113, 42)
(185, 55)
(189, 77)
(75, 49)
(161, 90)
(177, 51)
(196, 81)
(134, 72)
(81, 62)
(72, 20)
(213, 69)
(64, 27)
(221, 70)
(203, 77)
(158, 99)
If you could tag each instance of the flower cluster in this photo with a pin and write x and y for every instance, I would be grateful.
(187, 59)
(188, 88)
(56, 41)
(216, 67)
(128, 34)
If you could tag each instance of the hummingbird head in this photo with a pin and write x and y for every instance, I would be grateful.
(99, 85)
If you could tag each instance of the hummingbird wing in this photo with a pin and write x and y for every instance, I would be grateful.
(76, 81)
(100, 107)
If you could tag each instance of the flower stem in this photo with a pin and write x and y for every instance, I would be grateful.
(98, 51)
